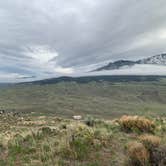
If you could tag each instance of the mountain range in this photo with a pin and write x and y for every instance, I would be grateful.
(101, 78)
(154, 60)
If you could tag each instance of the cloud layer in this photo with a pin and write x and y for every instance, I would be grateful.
(61, 37)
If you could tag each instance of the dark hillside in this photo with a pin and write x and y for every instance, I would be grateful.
(88, 79)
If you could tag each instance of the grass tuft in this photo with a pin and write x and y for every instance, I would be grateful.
(138, 154)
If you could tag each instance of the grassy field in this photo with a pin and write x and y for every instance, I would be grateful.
(36, 127)
(54, 141)
(100, 99)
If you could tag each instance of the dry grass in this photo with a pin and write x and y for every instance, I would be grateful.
(136, 123)
(65, 142)
(150, 141)
(138, 154)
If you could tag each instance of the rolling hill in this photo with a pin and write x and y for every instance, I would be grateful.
(87, 79)
(105, 97)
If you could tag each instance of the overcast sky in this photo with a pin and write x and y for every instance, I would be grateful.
(48, 38)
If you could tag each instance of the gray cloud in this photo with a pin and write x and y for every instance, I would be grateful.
(77, 33)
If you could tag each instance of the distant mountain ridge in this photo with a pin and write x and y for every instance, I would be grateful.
(102, 78)
(154, 60)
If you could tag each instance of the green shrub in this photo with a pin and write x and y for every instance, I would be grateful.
(89, 121)
(46, 148)
(161, 124)
(79, 142)
(81, 148)
(46, 131)
(102, 135)
(44, 157)
(21, 145)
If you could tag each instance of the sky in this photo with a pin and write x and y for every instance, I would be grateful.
(51, 38)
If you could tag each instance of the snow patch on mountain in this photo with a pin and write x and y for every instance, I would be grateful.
(120, 64)
(158, 59)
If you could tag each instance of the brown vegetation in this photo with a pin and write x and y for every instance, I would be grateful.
(136, 123)
(138, 154)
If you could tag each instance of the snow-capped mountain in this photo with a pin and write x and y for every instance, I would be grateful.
(154, 60)
(158, 59)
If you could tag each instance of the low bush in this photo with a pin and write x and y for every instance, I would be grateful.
(136, 124)
(159, 156)
(79, 142)
(89, 121)
(138, 154)
(161, 124)
(47, 131)
(22, 145)
(102, 135)
(150, 141)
